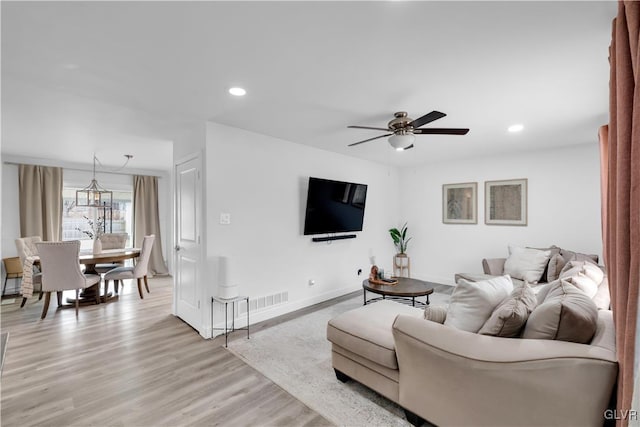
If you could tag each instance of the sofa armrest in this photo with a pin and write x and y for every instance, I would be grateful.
(484, 380)
(494, 266)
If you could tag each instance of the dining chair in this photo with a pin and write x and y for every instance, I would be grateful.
(12, 269)
(61, 271)
(111, 241)
(26, 247)
(138, 271)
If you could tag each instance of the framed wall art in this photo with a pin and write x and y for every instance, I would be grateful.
(460, 203)
(505, 202)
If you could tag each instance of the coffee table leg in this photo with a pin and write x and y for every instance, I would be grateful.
(364, 295)
(428, 300)
(413, 301)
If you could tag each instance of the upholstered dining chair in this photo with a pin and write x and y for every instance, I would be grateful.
(26, 247)
(61, 271)
(112, 241)
(138, 271)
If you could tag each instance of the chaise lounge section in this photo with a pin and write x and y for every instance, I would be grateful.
(448, 376)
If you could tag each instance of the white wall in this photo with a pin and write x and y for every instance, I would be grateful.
(262, 182)
(563, 200)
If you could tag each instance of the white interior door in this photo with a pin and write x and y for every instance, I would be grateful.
(187, 250)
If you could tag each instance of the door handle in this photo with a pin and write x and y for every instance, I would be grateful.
(177, 248)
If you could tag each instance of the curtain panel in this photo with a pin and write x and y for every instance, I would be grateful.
(146, 220)
(40, 200)
(621, 194)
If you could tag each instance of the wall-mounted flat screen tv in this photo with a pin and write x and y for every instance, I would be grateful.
(334, 206)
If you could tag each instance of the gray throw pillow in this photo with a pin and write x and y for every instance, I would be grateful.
(565, 314)
(556, 264)
(575, 256)
(510, 315)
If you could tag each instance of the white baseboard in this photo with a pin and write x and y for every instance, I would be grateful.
(271, 312)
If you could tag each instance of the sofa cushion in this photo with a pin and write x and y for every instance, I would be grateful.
(555, 266)
(435, 313)
(510, 315)
(564, 313)
(472, 303)
(526, 263)
(366, 330)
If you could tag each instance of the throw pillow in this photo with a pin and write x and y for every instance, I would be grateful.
(566, 314)
(526, 263)
(510, 315)
(575, 256)
(554, 251)
(435, 313)
(555, 266)
(584, 275)
(472, 303)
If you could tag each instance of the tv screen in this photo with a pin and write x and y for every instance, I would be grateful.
(334, 206)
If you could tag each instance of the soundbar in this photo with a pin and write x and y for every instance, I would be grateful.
(328, 238)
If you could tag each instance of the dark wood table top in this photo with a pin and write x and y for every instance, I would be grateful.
(406, 287)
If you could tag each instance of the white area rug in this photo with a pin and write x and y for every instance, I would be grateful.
(297, 356)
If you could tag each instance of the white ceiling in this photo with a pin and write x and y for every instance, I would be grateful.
(125, 77)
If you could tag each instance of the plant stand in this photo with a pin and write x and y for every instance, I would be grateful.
(401, 265)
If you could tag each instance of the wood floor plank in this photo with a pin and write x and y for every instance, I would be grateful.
(129, 362)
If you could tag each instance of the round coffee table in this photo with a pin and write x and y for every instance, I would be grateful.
(406, 289)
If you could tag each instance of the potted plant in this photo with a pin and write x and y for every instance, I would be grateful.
(400, 240)
(96, 229)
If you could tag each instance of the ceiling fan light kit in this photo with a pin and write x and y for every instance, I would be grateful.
(401, 141)
(403, 130)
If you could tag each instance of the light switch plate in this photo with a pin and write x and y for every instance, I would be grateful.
(225, 218)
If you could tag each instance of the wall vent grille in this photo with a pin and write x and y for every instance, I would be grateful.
(262, 302)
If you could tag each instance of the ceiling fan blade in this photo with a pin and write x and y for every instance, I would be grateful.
(427, 118)
(441, 131)
(367, 127)
(370, 139)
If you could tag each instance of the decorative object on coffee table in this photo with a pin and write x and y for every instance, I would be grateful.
(460, 203)
(401, 261)
(505, 202)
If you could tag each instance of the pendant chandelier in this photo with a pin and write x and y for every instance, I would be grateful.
(94, 195)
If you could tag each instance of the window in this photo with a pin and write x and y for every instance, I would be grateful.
(118, 218)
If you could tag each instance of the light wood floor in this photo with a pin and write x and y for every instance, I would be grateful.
(131, 363)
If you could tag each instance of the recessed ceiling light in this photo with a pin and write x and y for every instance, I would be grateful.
(237, 91)
(515, 128)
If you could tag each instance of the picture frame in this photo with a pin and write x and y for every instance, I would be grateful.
(505, 202)
(460, 203)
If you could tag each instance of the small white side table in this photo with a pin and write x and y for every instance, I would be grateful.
(226, 302)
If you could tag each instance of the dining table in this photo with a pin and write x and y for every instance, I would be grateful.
(89, 260)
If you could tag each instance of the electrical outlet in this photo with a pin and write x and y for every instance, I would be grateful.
(312, 282)
(225, 218)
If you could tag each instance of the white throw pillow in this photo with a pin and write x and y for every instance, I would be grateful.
(526, 263)
(472, 303)
(584, 275)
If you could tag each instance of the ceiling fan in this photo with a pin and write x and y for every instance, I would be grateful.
(403, 130)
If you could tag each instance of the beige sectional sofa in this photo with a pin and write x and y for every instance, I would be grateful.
(448, 376)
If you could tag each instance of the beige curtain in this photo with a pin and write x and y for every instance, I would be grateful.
(621, 175)
(40, 194)
(146, 220)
